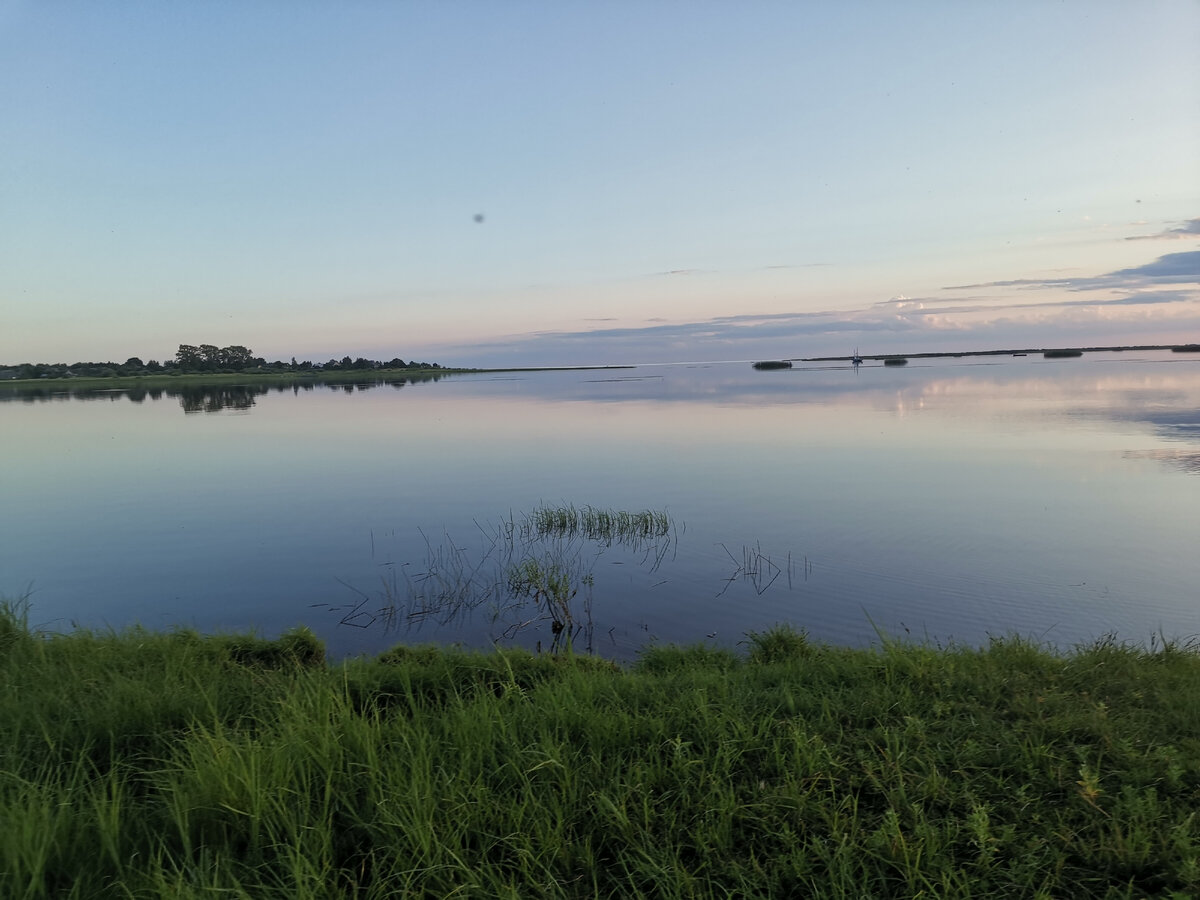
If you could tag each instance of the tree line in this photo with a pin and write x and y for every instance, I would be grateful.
(207, 358)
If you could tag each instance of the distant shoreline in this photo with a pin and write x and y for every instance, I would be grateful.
(308, 376)
(343, 376)
(1178, 348)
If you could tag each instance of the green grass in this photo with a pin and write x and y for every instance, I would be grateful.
(173, 765)
(597, 524)
(197, 379)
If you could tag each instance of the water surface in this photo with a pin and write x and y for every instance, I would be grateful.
(949, 500)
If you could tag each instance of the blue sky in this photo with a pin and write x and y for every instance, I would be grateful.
(656, 181)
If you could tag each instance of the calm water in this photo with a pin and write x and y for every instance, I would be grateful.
(949, 500)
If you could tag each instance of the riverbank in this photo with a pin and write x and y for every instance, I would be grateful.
(251, 377)
(195, 379)
(148, 765)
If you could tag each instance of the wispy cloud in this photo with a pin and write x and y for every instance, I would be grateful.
(1160, 297)
(1173, 268)
(1189, 229)
(676, 273)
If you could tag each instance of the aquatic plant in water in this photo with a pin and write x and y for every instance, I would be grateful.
(525, 570)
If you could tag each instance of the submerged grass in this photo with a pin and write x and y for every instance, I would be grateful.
(525, 570)
(153, 765)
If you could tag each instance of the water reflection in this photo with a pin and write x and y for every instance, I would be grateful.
(1185, 462)
(954, 499)
(201, 397)
(528, 575)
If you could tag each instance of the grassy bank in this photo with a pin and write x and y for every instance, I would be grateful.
(193, 379)
(154, 765)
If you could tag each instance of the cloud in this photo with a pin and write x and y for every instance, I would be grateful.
(1144, 303)
(1138, 299)
(1012, 282)
(1189, 229)
(1173, 268)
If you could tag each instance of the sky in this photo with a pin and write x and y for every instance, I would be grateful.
(584, 183)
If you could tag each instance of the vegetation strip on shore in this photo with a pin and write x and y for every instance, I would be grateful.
(1019, 351)
(149, 765)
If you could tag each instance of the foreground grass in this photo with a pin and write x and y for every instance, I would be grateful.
(154, 765)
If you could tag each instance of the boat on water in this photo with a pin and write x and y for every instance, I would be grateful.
(856, 359)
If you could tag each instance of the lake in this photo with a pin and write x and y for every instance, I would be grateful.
(948, 500)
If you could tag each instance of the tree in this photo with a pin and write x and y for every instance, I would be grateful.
(133, 363)
(210, 354)
(188, 357)
(235, 357)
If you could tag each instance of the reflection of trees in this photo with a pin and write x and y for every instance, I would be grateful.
(210, 398)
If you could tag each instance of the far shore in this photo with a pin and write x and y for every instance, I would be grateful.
(308, 376)
(1179, 348)
(342, 376)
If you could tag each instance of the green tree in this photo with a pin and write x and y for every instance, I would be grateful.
(188, 357)
(234, 356)
(210, 354)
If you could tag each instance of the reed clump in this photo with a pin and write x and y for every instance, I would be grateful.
(592, 523)
(142, 764)
(524, 571)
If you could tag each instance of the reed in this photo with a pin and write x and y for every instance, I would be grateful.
(762, 572)
(150, 765)
(524, 570)
(608, 526)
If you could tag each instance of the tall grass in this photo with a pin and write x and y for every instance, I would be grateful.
(155, 765)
